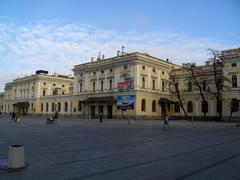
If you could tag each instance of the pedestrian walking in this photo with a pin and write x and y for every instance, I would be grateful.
(100, 118)
(13, 116)
(17, 120)
(166, 122)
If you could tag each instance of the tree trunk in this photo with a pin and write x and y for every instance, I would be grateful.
(185, 113)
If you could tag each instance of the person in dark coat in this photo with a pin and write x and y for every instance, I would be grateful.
(100, 118)
(13, 116)
(166, 121)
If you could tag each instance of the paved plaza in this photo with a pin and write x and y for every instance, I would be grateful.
(86, 149)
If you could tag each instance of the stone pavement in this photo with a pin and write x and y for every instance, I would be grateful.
(86, 149)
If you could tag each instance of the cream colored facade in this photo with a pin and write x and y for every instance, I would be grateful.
(26, 95)
(98, 85)
(228, 73)
(99, 80)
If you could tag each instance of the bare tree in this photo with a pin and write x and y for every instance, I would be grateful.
(198, 74)
(174, 89)
(216, 63)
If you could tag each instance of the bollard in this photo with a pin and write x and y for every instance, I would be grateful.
(16, 157)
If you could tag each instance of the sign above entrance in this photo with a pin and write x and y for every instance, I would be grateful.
(125, 102)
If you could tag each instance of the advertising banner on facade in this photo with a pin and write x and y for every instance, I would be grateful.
(125, 102)
(125, 85)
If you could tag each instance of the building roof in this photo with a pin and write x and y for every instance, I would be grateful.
(127, 56)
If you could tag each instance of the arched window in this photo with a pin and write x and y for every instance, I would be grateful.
(143, 105)
(44, 92)
(143, 82)
(177, 107)
(190, 107)
(59, 106)
(52, 107)
(204, 85)
(189, 86)
(65, 106)
(204, 106)
(234, 105)
(154, 106)
(46, 107)
(41, 107)
(234, 81)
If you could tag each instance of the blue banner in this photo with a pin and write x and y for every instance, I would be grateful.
(125, 102)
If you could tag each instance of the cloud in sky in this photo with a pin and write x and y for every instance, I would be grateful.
(57, 46)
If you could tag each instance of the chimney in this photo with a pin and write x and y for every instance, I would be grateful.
(167, 60)
(118, 53)
(102, 56)
(92, 59)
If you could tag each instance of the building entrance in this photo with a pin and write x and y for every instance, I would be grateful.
(93, 112)
(109, 112)
(100, 109)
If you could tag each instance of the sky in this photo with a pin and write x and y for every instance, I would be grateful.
(55, 35)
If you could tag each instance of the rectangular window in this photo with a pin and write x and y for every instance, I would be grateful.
(163, 86)
(80, 87)
(234, 64)
(101, 85)
(143, 67)
(153, 84)
(219, 106)
(94, 86)
(110, 84)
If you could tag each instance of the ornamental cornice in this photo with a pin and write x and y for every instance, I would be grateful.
(54, 79)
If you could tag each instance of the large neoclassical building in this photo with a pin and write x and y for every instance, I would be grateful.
(26, 95)
(131, 85)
